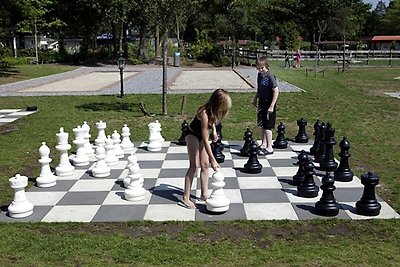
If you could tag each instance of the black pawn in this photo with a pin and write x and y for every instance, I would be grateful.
(328, 163)
(368, 205)
(216, 148)
(280, 141)
(315, 147)
(301, 136)
(321, 149)
(184, 129)
(327, 205)
(248, 137)
(308, 188)
(302, 158)
(252, 165)
(343, 172)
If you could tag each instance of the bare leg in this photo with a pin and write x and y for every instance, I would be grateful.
(264, 141)
(204, 162)
(268, 134)
(192, 144)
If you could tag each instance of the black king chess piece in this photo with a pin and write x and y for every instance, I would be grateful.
(301, 136)
(308, 188)
(368, 205)
(302, 158)
(315, 147)
(184, 129)
(328, 163)
(343, 172)
(319, 156)
(248, 137)
(327, 205)
(252, 165)
(280, 141)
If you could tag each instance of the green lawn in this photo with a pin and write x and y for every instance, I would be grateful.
(353, 102)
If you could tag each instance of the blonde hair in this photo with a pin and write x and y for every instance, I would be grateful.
(217, 106)
(262, 62)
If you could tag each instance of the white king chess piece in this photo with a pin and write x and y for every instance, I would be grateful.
(64, 168)
(46, 177)
(218, 202)
(20, 207)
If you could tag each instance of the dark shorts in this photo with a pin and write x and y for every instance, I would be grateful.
(265, 120)
(198, 135)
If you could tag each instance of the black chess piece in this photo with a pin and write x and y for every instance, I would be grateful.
(216, 148)
(301, 136)
(248, 137)
(280, 141)
(302, 158)
(184, 130)
(343, 172)
(328, 163)
(321, 149)
(218, 128)
(368, 205)
(308, 188)
(315, 147)
(252, 165)
(327, 205)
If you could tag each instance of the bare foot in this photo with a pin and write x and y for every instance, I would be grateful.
(188, 204)
(203, 197)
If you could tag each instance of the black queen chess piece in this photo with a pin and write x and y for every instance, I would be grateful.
(319, 156)
(315, 147)
(252, 165)
(368, 205)
(343, 172)
(301, 136)
(308, 188)
(184, 130)
(327, 205)
(328, 163)
(280, 141)
(247, 137)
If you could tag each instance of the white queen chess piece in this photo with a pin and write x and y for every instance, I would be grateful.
(64, 168)
(20, 207)
(46, 177)
(126, 143)
(101, 136)
(218, 202)
(81, 158)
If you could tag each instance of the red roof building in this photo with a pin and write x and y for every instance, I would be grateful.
(385, 42)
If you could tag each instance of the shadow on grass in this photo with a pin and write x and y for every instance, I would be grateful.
(99, 106)
(7, 71)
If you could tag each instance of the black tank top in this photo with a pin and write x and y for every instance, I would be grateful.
(195, 125)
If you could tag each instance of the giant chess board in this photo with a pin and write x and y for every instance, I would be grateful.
(269, 195)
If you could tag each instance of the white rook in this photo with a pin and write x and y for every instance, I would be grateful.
(20, 207)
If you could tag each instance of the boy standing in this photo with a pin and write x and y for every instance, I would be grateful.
(267, 95)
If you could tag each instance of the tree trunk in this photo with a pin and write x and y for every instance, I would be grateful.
(142, 41)
(344, 53)
(157, 43)
(164, 84)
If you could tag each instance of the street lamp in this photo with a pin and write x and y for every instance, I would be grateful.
(121, 66)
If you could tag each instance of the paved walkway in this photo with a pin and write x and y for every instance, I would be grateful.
(139, 80)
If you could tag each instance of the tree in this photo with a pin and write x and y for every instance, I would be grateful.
(391, 19)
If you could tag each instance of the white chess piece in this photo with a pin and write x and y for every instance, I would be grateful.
(64, 168)
(218, 202)
(101, 168)
(81, 158)
(111, 158)
(46, 177)
(133, 174)
(155, 138)
(88, 147)
(116, 137)
(135, 191)
(126, 143)
(101, 137)
(20, 207)
(132, 160)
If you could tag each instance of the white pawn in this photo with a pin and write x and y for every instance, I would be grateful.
(81, 158)
(101, 137)
(88, 147)
(217, 202)
(20, 207)
(135, 191)
(46, 177)
(117, 147)
(111, 157)
(126, 143)
(64, 168)
(101, 168)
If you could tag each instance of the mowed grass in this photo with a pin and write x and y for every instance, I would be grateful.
(353, 102)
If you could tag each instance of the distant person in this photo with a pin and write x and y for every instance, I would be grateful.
(267, 95)
(298, 58)
(197, 142)
(287, 59)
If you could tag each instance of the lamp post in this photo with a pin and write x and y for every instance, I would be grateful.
(121, 66)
